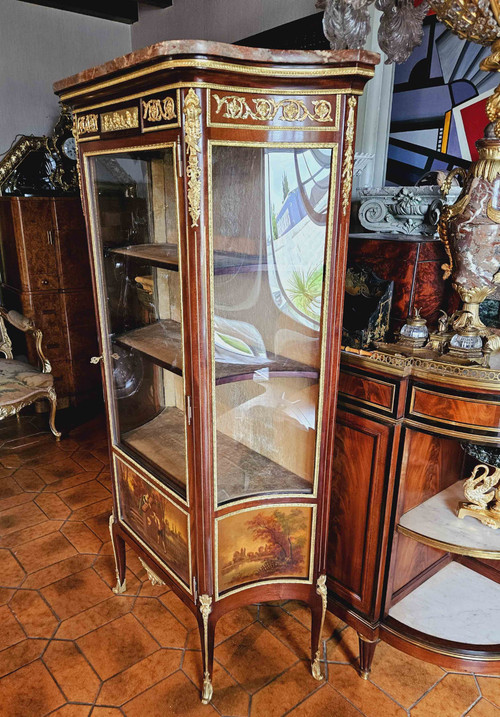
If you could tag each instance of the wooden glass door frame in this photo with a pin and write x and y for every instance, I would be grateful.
(170, 139)
(334, 170)
(330, 349)
(199, 243)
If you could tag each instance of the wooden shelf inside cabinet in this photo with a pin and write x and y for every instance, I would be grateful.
(162, 442)
(163, 438)
(456, 604)
(435, 523)
(161, 342)
(166, 256)
(277, 367)
(242, 472)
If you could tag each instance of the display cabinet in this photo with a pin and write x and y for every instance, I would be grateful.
(216, 181)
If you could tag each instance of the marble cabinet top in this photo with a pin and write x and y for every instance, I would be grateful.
(221, 51)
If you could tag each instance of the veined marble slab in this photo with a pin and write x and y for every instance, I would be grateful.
(219, 50)
(455, 604)
(437, 519)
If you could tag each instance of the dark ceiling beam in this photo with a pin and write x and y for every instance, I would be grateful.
(157, 3)
(117, 10)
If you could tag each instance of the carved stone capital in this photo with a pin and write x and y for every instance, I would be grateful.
(402, 210)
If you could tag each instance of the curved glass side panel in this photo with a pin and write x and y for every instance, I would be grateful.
(135, 216)
(269, 212)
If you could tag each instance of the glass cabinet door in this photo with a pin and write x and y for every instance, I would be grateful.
(269, 212)
(134, 205)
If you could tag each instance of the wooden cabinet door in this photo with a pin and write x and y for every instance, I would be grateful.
(361, 497)
(73, 254)
(9, 258)
(36, 237)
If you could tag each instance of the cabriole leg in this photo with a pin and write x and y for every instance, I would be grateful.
(120, 560)
(318, 613)
(366, 653)
(207, 634)
(52, 415)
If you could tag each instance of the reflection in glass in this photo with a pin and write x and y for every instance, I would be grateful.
(268, 278)
(297, 196)
(136, 211)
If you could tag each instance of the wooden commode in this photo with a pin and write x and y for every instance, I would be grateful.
(402, 567)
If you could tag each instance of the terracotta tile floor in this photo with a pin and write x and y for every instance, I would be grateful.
(69, 647)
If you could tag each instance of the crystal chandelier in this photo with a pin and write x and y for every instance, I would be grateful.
(346, 23)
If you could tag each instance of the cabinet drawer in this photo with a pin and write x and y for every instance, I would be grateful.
(377, 394)
(46, 312)
(61, 371)
(45, 282)
(462, 416)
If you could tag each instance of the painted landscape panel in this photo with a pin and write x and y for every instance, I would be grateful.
(161, 525)
(262, 544)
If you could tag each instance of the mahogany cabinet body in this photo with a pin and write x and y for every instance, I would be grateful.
(397, 445)
(46, 276)
(216, 186)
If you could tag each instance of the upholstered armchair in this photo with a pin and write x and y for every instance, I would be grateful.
(20, 383)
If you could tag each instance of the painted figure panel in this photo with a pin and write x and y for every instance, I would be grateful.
(161, 525)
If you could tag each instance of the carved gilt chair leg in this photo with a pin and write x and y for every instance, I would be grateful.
(52, 415)
(207, 634)
(366, 653)
(318, 614)
(120, 558)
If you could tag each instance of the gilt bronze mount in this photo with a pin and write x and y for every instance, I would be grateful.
(482, 490)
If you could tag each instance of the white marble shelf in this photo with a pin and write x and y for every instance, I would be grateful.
(455, 604)
(435, 522)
